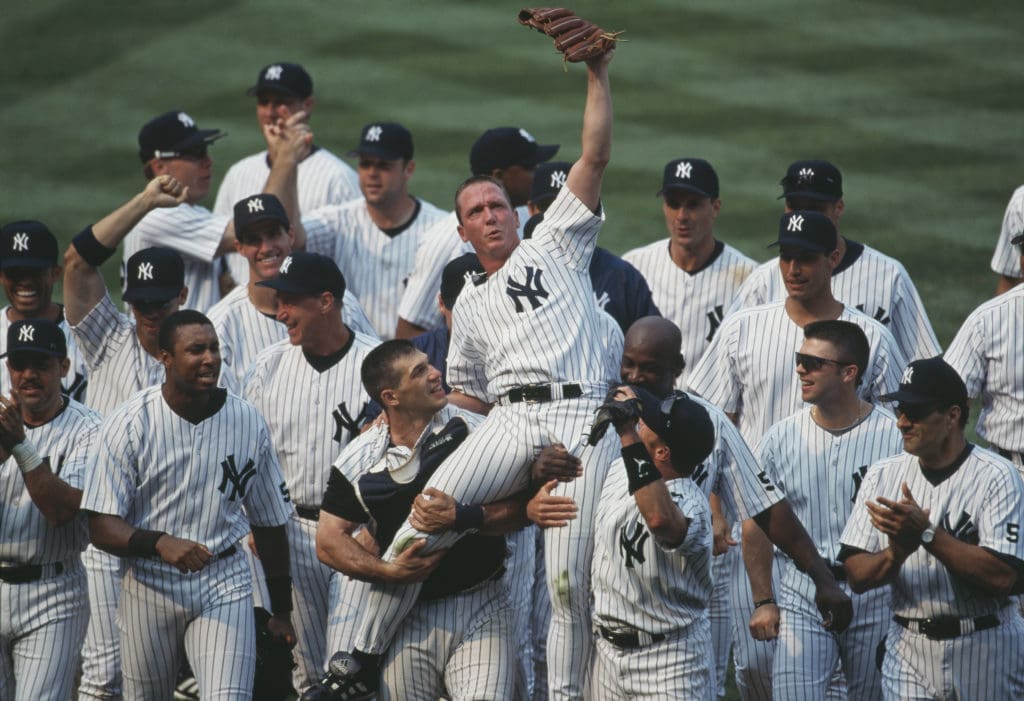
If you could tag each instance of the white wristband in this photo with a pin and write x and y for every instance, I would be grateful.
(27, 457)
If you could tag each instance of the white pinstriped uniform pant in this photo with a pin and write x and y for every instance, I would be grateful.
(492, 464)
(101, 653)
(42, 626)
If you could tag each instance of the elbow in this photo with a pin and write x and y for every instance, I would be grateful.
(857, 585)
(60, 517)
(1004, 584)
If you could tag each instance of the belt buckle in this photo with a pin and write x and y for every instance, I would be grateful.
(531, 394)
(937, 629)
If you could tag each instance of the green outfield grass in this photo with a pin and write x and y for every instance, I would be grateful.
(919, 102)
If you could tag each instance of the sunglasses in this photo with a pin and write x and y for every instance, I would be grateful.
(812, 363)
(916, 412)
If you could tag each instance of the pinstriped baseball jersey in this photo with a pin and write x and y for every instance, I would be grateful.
(980, 502)
(376, 264)
(74, 382)
(195, 233)
(323, 179)
(1006, 258)
(244, 331)
(160, 472)
(696, 302)
(67, 440)
(312, 415)
(441, 244)
(642, 583)
(873, 283)
(534, 320)
(749, 366)
(986, 352)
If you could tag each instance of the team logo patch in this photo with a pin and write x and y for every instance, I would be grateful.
(233, 482)
(285, 264)
(805, 175)
(20, 242)
(533, 290)
(145, 271)
(880, 315)
(27, 333)
(526, 135)
(255, 205)
(185, 120)
(795, 223)
(963, 530)
(683, 170)
(715, 317)
(603, 300)
(631, 544)
(373, 133)
(273, 72)
(700, 474)
(344, 421)
(558, 178)
(858, 479)
(908, 375)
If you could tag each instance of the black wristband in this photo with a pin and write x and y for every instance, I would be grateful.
(280, 591)
(764, 602)
(468, 517)
(142, 543)
(92, 251)
(639, 468)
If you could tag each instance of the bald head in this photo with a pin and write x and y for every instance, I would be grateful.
(650, 355)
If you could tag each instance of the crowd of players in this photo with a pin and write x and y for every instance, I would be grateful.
(782, 471)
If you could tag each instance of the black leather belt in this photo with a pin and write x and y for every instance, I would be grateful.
(533, 394)
(838, 571)
(630, 639)
(947, 627)
(23, 574)
(226, 553)
(310, 513)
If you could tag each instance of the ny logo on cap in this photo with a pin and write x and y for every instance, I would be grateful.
(273, 73)
(805, 175)
(558, 178)
(27, 333)
(255, 205)
(20, 242)
(796, 223)
(285, 265)
(683, 170)
(908, 375)
(526, 135)
(373, 133)
(186, 120)
(145, 271)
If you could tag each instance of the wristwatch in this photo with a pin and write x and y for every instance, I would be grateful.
(928, 535)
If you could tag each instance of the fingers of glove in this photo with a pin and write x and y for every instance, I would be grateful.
(568, 26)
(536, 17)
(583, 48)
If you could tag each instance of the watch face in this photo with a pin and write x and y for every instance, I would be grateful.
(928, 535)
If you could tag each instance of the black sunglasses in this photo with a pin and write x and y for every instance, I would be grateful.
(813, 362)
(916, 412)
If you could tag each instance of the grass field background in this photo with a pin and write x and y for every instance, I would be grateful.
(919, 102)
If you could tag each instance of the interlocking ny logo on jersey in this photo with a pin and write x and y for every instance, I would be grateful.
(858, 479)
(532, 289)
(683, 170)
(700, 474)
(20, 242)
(145, 271)
(715, 317)
(238, 480)
(879, 316)
(255, 205)
(963, 530)
(631, 545)
(343, 421)
(26, 333)
(796, 223)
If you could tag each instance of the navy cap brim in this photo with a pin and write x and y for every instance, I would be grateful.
(36, 350)
(650, 409)
(907, 397)
(544, 152)
(201, 136)
(151, 294)
(280, 90)
(811, 195)
(18, 262)
(286, 285)
(376, 152)
(802, 244)
(684, 188)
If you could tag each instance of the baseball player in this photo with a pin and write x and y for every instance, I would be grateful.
(754, 381)
(863, 278)
(1006, 258)
(693, 276)
(818, 457)
(457, 641)
(508, 154)
(182, 472)
(374, 239)
(282, 90)
(245, 319)
(171, 144)
(619, 288)
(45, 441)
(28, 273)
(986, 354)
(939, 525)
(309, 391)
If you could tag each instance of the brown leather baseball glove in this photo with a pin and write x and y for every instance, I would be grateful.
(578, 39)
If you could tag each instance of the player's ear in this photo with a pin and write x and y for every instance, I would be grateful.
(65, 363)
(183, 295)
(840, 207)
(462, 232)
(716, 206)
(388, 397)
(409, 168)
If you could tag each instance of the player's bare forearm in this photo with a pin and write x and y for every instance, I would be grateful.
(866, 571)
(56, 499)
(110, 533)
(406, 329)
(433, 511)
(720, 527)
(469, 403)
(661, 514)
(116, 536)
(288, 146)
(973, 564)
(337, 548)
(784, 529)
(757, 557)
(271, 544)
(586, 175)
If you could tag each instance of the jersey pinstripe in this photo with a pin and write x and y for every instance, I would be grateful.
(696, 302)
(981, 502)
(323, 179)
(874, 284)
(376, 265)
(750, 368)
(244, 331)
(1006, 257)
(74, 382)
(195, 233)
(986, 352)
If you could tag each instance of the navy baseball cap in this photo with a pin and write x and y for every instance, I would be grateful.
(816, 180)
(507, 146)
(285, 78)
(257, 208)
(929, 381)
(307, 273)
(455, 276)
(690, 174)
(810, 231)
(36, 336)
(683, 424)
(154, 275)
(27, 244)
(172, 134)
(1018, 240)
(388, 140)
(548, 179)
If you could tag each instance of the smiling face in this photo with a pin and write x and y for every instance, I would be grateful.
(807, 275)
(265, 245)
(29, 290)
(419, 391)
(193, 366)
(821, 383)
(303, 316)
